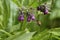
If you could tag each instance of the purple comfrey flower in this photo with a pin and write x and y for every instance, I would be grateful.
(45, 11)
(29, 18)
(32, 17)
(21, 17)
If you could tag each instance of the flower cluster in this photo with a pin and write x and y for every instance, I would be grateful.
(29, 17)
(43, 9)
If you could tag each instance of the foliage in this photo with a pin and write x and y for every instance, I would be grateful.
(12, 29)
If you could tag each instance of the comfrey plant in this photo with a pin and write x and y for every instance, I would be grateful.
(43, 9)
(30, 16)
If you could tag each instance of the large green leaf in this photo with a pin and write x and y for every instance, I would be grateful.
(20, 36)
(55, 31)
(44, 35)
(55, 14)
(58, 4)
(26, 36)
(6, 12)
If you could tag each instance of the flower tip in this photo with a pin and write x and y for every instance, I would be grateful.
(46, 12)
(21, 18)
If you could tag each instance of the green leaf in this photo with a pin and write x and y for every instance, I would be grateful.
(55, 14)
(55, 31)
(5, 12)
(20, 36)
(25, 36)
(58, 4)
(25, 3)
(13, 19)
(44, 35)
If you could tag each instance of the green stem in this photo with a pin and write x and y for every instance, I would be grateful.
(21, 26)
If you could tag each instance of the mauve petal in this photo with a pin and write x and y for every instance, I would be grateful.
(29, 18)
(33, 17)
(46, 11)
(21, 18)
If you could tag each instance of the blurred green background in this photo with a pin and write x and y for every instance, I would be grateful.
(12, 29)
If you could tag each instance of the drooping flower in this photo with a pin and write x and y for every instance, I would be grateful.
(32, 17)
(21, 18)
(45, 11)
(28, 18)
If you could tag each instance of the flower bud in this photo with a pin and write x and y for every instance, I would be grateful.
(29, 18)
(46, 11)
(32, 17)
(21, 18)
